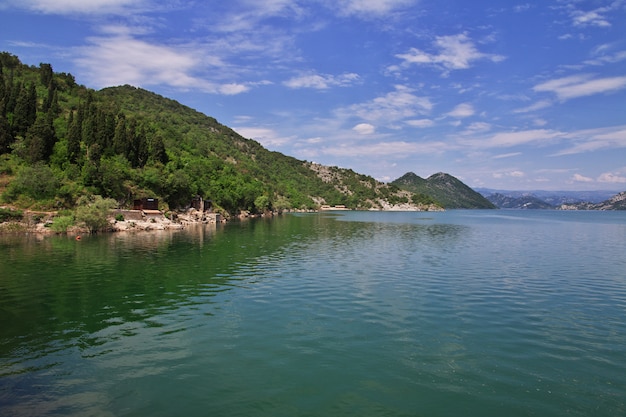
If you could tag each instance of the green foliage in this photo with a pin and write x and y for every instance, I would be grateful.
(94, 212)
(125, 143)
(36, 181)
(7, 215)
(443, 188)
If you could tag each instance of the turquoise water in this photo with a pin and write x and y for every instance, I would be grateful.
(485, 313)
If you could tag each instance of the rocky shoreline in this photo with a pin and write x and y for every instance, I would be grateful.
(148, 220)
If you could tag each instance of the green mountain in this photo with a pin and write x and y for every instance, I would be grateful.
(62, 143)
(445, 189)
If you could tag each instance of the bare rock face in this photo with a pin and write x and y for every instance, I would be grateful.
(617, 202)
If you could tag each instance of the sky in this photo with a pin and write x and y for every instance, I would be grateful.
(510, 95)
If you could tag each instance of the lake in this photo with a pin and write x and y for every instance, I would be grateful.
(485, 313)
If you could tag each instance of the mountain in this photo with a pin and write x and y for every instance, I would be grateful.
(563, 200)
(553, 198)
(445, 189)
(523, 202)
(617, 202)
(61, 142)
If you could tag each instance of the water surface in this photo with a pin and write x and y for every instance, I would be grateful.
(487, 313)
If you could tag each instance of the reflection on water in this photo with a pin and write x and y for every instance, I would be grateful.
(320, 314)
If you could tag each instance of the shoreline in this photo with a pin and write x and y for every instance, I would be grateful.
(40, 222)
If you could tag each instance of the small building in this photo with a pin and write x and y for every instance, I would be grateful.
(146, 204)
(201, 204)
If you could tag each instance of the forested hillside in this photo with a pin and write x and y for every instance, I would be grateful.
(446, 190)
(61, 143)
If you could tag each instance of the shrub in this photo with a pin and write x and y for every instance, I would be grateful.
(7, 215)
(60, 224)
(94, 212)
(37, 182)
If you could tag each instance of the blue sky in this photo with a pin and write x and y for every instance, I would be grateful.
(501, 94)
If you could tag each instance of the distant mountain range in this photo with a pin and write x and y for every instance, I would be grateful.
(446, 190)
(559, 200)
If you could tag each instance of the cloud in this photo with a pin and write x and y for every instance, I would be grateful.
(122, 59)
(392, 107)
(511, 139)
(581, 85)
(322, 82)
(420, 123)
(597, 17)
(64, 7)
(392, 148)
(452, 53)
(265, 136)
(462, 110)
(612, 178)
(477, 127)
(513, 174)
(364, 129)
(542, 104)
(507, 155)
(580, 178)
(365, 8)
(595, 139)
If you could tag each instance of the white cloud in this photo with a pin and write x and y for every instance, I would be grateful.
(267, 137)
(507, 155)
(392, 107)
(366, 8)
(420, 123)
(80, 6)
(478, 127)
(322, 82)
(462, 110)
(581, 85)
(522, 8)
(595, 17)
(513, 174)
(595, 139)
(581, 178)
(510, 139)
(123, 59)
(453, 53)
(542, 104)
(393, 148)
(612, 178)
(364, 129)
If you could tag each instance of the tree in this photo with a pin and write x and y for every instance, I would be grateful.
(40, 139)
(25, 112)
(179, 189)
(157, 150)
(114, 172)
(94, 212)
(6, 139)
(36, 181)
(45, 74)
(73, 137)
(119, 136)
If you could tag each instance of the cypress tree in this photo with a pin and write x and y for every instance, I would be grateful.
(119, 138)
(157, 150)
(45, 74)
(5, 135)
(3, 93)
(140, 145)
(40, 139)
(73, 137)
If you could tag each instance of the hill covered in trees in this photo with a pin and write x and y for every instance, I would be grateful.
(445, 189)
(62, 143)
